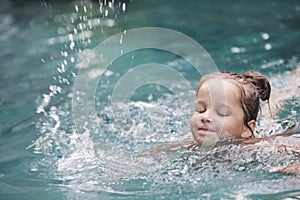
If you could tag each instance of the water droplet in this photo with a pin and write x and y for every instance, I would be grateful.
(121, 39)
(66, 81)
(64, 53)
(55, 89)
(76, 8)
(265, 36)
(124, 7)
(110, 4)
(62, 69)
(108, 73)
(70, 37)
(72, 45)
(34, 169)
(237, 49)
(150, 97)
(268, 46)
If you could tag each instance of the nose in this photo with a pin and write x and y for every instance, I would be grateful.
(205, 120)
(205, 117)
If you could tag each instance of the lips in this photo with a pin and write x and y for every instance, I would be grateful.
(205, 130)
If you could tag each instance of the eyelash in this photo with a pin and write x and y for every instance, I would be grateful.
(223, 115)
(220, 114)
(200, 110)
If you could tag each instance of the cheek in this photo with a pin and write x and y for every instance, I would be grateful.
(232, 127)
(193, 121)
(223, 123)
(220, 123)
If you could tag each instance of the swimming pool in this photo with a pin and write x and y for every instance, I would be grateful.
(44, 46)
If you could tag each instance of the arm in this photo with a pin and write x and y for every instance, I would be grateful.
(185, 144)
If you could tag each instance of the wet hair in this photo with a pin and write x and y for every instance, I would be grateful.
(252, 85)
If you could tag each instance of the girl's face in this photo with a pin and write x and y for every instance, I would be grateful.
(218, 113)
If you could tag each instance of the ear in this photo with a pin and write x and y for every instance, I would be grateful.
(248, 133)
(252, 124)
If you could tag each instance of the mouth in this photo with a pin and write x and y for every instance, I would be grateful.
(206, 135)
(205, 131)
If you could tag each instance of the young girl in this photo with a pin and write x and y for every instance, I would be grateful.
(226, 107)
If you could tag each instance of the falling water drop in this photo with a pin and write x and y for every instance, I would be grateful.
(124, 7)
(268, 46)
(76, 8)
(121, 39)
(265, 36)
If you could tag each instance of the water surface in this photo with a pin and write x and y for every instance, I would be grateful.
(41, 154)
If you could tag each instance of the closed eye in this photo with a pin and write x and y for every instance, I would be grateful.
(200, 111)
(200, 108)
(223, 112)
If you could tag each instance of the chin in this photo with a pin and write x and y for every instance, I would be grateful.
(207, 139)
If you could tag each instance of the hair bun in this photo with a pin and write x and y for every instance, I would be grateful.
(260, 82)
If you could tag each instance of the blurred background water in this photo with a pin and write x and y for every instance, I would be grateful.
(41, 155)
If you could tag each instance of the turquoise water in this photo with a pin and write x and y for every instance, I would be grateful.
(43, 46)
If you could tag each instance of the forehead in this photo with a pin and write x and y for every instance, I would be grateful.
(219, 89)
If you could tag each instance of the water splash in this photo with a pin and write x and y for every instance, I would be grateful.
(117, 169)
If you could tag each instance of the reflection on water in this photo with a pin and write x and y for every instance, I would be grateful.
(104, 160)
